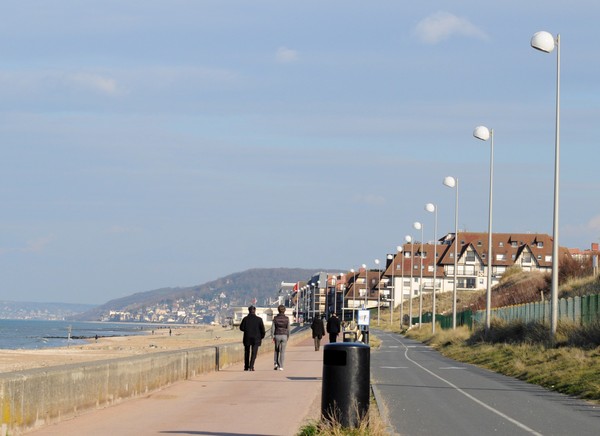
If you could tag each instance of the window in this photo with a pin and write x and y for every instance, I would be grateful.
(548, 258)
(514, 244)
(470, 256)
(501, 256)
(526, 258)
(540, 244)
(467, 283)
(479, 243)
(501, 244)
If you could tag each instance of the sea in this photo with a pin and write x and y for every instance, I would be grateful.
(36, 334)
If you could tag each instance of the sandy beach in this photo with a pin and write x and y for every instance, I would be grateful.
(119, 346)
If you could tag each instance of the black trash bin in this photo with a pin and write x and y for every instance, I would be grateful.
(346, 383)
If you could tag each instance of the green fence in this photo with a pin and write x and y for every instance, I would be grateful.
(578, 310)
(462, 318)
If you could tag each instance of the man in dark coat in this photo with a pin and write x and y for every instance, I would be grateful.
(318, 331)
(254, 331)
(333, 327)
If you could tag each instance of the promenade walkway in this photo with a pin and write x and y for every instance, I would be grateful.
(230, 402)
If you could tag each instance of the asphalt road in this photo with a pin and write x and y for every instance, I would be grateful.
(424, 393)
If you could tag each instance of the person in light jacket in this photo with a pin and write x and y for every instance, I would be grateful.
(254, 331)
(280, 330)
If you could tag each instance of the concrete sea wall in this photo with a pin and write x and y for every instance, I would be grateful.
(38, 397)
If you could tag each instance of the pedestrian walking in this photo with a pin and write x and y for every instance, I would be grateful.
(280, 331)
(333, 327)
(254, 331)
(318, 331)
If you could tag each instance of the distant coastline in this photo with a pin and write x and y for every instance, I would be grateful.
(38, 334)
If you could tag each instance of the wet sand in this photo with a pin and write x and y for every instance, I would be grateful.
(119, 346)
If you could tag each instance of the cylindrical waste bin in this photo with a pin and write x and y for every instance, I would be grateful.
(346, 381)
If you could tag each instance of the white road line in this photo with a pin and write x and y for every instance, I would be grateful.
(469, 396)
(393, 367)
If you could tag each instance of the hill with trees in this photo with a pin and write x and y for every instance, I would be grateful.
(237, 289)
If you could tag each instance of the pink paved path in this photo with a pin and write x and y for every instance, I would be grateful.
(229, 402)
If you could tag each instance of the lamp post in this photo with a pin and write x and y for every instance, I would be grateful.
(353, 293)
(483, 133)
(409, 239)
(390, 257)
(545, 41)
(418, 226)
(318, 289)
(343, 289)
(401, 250)
(378, 290)
(364, 265)
(432, 208)
(452, 182)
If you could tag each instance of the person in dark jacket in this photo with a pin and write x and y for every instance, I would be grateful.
(333, 327)
(318, 331)
(254, 331)
(280, 331)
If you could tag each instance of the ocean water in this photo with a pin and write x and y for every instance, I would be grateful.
(34, 334)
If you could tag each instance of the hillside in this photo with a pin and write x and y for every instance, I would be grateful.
(239, 289)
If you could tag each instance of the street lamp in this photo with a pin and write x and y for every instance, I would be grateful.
(353, 293)
(452, 182)
(544, 41)
(343, 288)
(409, 239)
(390, 258)
(378, 290)
(418, 226)
(432, 208)
(364, 265)
(483, 133)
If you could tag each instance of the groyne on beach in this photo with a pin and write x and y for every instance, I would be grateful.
(40, 396)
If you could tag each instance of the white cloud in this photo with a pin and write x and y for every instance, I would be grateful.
(594, 224)
(96, 82)
(37, 245)
(443, 25)
(36, 82)
(286, 55)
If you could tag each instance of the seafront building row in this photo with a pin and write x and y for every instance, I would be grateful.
(410, 272)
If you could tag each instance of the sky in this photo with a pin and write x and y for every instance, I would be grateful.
(149, 144)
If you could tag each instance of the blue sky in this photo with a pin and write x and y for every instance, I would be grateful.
(168, 143)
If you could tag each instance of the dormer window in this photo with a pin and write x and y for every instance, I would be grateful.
(514, 244)
(479, 243)
(501, 244)
(540, 244)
